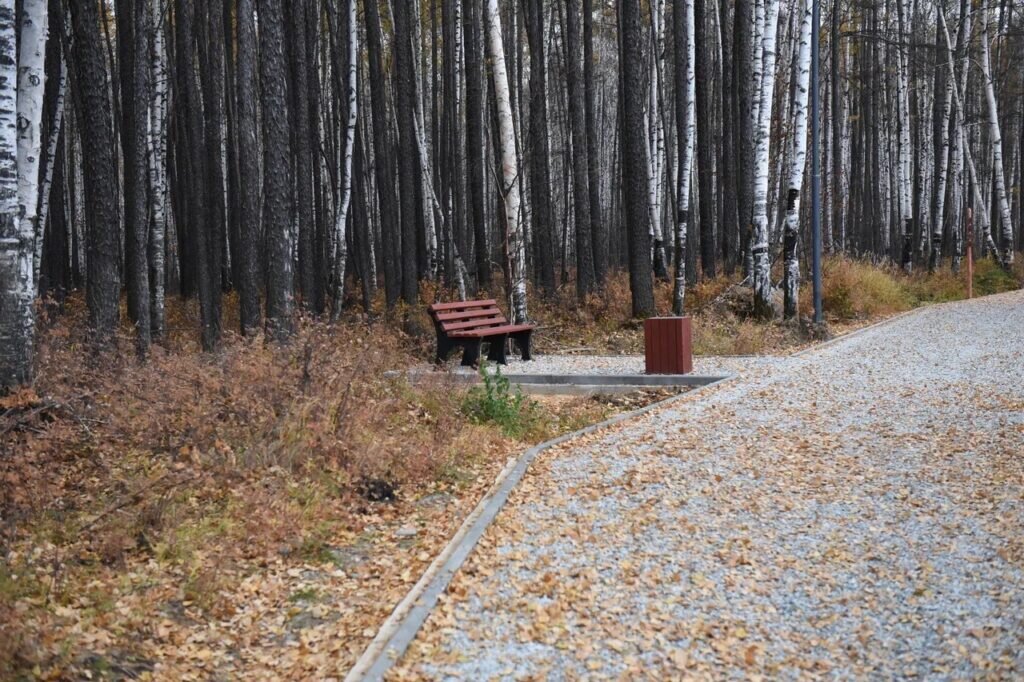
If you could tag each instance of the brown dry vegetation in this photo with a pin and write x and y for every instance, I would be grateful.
(222, 514)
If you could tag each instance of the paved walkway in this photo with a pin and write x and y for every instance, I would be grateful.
(854, 511)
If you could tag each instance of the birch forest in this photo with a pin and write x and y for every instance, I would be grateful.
(306, 157)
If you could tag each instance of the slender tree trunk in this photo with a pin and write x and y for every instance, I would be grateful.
(539, 152)
(791, 238)
(50, 156)
(408, 168)
(157, 147)
(838, 222)
(685, 62)
(33, 28)
(137, 213)
(515, 244)
(634, 151)
(585, 278)
(345, 190)
(655, 131)
(382, 162)
(277, 205)
(760, 255)
(97, 133)
(704, 142)
(17, 318)
(247, 89)
(475, 107)
(598, 232)
(996, 140)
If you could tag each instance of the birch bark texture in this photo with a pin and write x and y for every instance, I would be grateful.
(760, 255)
(996, 140)
(798, 160)
(345, 190)
(17, 321)
(686, 95)
(515, 244)
(33, 31)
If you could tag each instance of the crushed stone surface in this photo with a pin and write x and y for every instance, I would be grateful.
(856, 511)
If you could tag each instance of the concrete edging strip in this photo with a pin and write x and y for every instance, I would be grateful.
(401, 627)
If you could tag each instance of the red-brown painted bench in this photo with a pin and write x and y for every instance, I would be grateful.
(470, 323)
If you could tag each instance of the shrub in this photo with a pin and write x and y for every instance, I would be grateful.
(857, 289)
(496, 402)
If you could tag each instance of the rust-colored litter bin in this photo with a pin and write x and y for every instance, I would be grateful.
(668, 345)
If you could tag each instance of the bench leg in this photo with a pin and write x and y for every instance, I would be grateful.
(522, 340)
(497, 350)
(444, 349)
(471, 353)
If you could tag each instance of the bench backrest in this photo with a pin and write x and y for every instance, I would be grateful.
(467, 315)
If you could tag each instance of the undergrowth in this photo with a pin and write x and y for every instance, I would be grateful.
(496, 401)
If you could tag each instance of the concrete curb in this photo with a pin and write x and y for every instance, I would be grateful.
(401, 627)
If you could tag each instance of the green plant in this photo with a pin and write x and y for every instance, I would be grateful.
(496, 402)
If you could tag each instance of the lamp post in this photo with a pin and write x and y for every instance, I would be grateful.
(816, 162)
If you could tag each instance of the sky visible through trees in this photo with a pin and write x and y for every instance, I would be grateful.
(303, 153)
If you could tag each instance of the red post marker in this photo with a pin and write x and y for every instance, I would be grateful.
(970, 253)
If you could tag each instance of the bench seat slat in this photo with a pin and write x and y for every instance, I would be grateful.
(467, 314)
(496, 321)
(462, 305)
(492, 331)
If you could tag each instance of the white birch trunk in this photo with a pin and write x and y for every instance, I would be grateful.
(345, 177)
(791, 277)
(17, 321)
(996, 139)
(941, 177)
(510, 170)
(423, 155)
(905, 149)
(33, 23)
(759, 248)
(685, 166)
(158, 169)
(656, 137)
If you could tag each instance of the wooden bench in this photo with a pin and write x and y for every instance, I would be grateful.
(470, 323)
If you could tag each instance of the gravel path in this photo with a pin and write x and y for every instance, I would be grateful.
(855, 511)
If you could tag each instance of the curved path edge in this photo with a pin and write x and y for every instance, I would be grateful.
(401, 627)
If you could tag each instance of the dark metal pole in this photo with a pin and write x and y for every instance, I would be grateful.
(816, 161)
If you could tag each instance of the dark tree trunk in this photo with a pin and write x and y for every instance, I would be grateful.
(213, 227)
(383, 168)
(312, 298)
(634, 146)
(728, 222)
(743, 86)
(705, 158)
(472, 39)
(475, 108)
(249, 171)
(539, 162)
(598, 233)
(99, 170)
(277, 177)
(585, 277)
(136, 168)
(408, 168)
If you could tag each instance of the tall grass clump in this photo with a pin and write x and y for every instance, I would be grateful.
(496, 402)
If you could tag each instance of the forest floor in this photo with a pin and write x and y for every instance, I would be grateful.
(850, 512)
(258, 511)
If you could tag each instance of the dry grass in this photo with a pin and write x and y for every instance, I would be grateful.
(138, 493)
